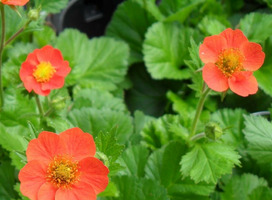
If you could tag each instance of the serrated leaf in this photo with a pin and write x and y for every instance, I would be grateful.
(7, 180)
(254, 26)
(107, 144)
(240, 187)
(134, 188)
(258, 133)
(134, 160)
(165, 49)
(129, 23)
(94, 120)
(212, 26)
(95, 63)
(159, 132)
(209, 161)
(182, 14)
(98, 99)
(233, 123)
(262, 192)
(51, 6)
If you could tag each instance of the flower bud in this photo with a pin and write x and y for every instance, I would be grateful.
(33, 14)
(213, 131)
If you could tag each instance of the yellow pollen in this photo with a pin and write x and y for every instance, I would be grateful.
(62, 172)
(44, 72)
(230, 61)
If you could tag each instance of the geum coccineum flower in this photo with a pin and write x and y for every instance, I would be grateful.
(63, 167)
(44, 70)
(230, 60)
(14, 2)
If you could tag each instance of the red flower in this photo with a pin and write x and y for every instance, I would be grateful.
(44, 70)
(230, 60)
(14, 2)
(63, 167)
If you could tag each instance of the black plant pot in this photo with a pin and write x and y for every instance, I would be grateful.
(89, 16)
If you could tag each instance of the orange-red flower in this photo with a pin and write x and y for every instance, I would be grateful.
(63, 167)
(44, 70)
(14, 2)
(230, 60)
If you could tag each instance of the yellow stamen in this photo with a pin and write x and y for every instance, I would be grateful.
(230, 61)
(62, 172)
(44, 72)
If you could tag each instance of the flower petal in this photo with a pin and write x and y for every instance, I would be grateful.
(214, 78)
(29, 83)
(54, 83)
(234, 38)
(14, 2)
(45, 54)
(47, 192)
(211, 47)
(64, 70)
(80, 191)
(79, 144)
(254, 56)
(94, 172)
(32, 177)
(45, 147)
(243, 83)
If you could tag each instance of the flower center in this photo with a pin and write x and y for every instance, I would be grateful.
(62, 172)
(230, 61)
(44, 72)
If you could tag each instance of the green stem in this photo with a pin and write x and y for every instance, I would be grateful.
(17, 33)
(198, 136)
(3, 35)
(199, 110)
(39, 105)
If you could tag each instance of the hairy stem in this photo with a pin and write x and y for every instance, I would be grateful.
(3, 34)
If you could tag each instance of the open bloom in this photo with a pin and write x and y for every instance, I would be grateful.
(230, 60)
(63, 167)
(44, 70)
(14, 2)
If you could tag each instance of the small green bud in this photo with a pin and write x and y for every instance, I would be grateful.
(213, 131)
(33, 14)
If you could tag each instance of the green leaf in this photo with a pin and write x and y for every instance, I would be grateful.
(45, 36)
(98, 99)
(51, 6)
(260, 192)
(254, 26)
(7, 180)
(210, 25)
(14, 140)
(93, 121)
(165, 49)
(159, 132)
(182, 14)
(16, 56)
(240, 187)
(134, 160)
(209, 161)
(233, 123)
(129, 23)
(106, 143)
(258, 132)
(95, 63)
(134, 188)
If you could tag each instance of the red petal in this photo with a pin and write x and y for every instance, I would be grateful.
(45, 147)
(15, 2)
(214, 78)
(234, 38)
(243, 83)
(29, 82)
(38, 90)
(32, 177)
(45, 54)
(64, 70)
(94, 172)
(211, 47)
(54, 83)
(80, 191)
(79, 144)
(254, 56)
(47, 192)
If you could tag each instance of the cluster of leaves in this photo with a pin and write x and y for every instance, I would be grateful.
(135, 91)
